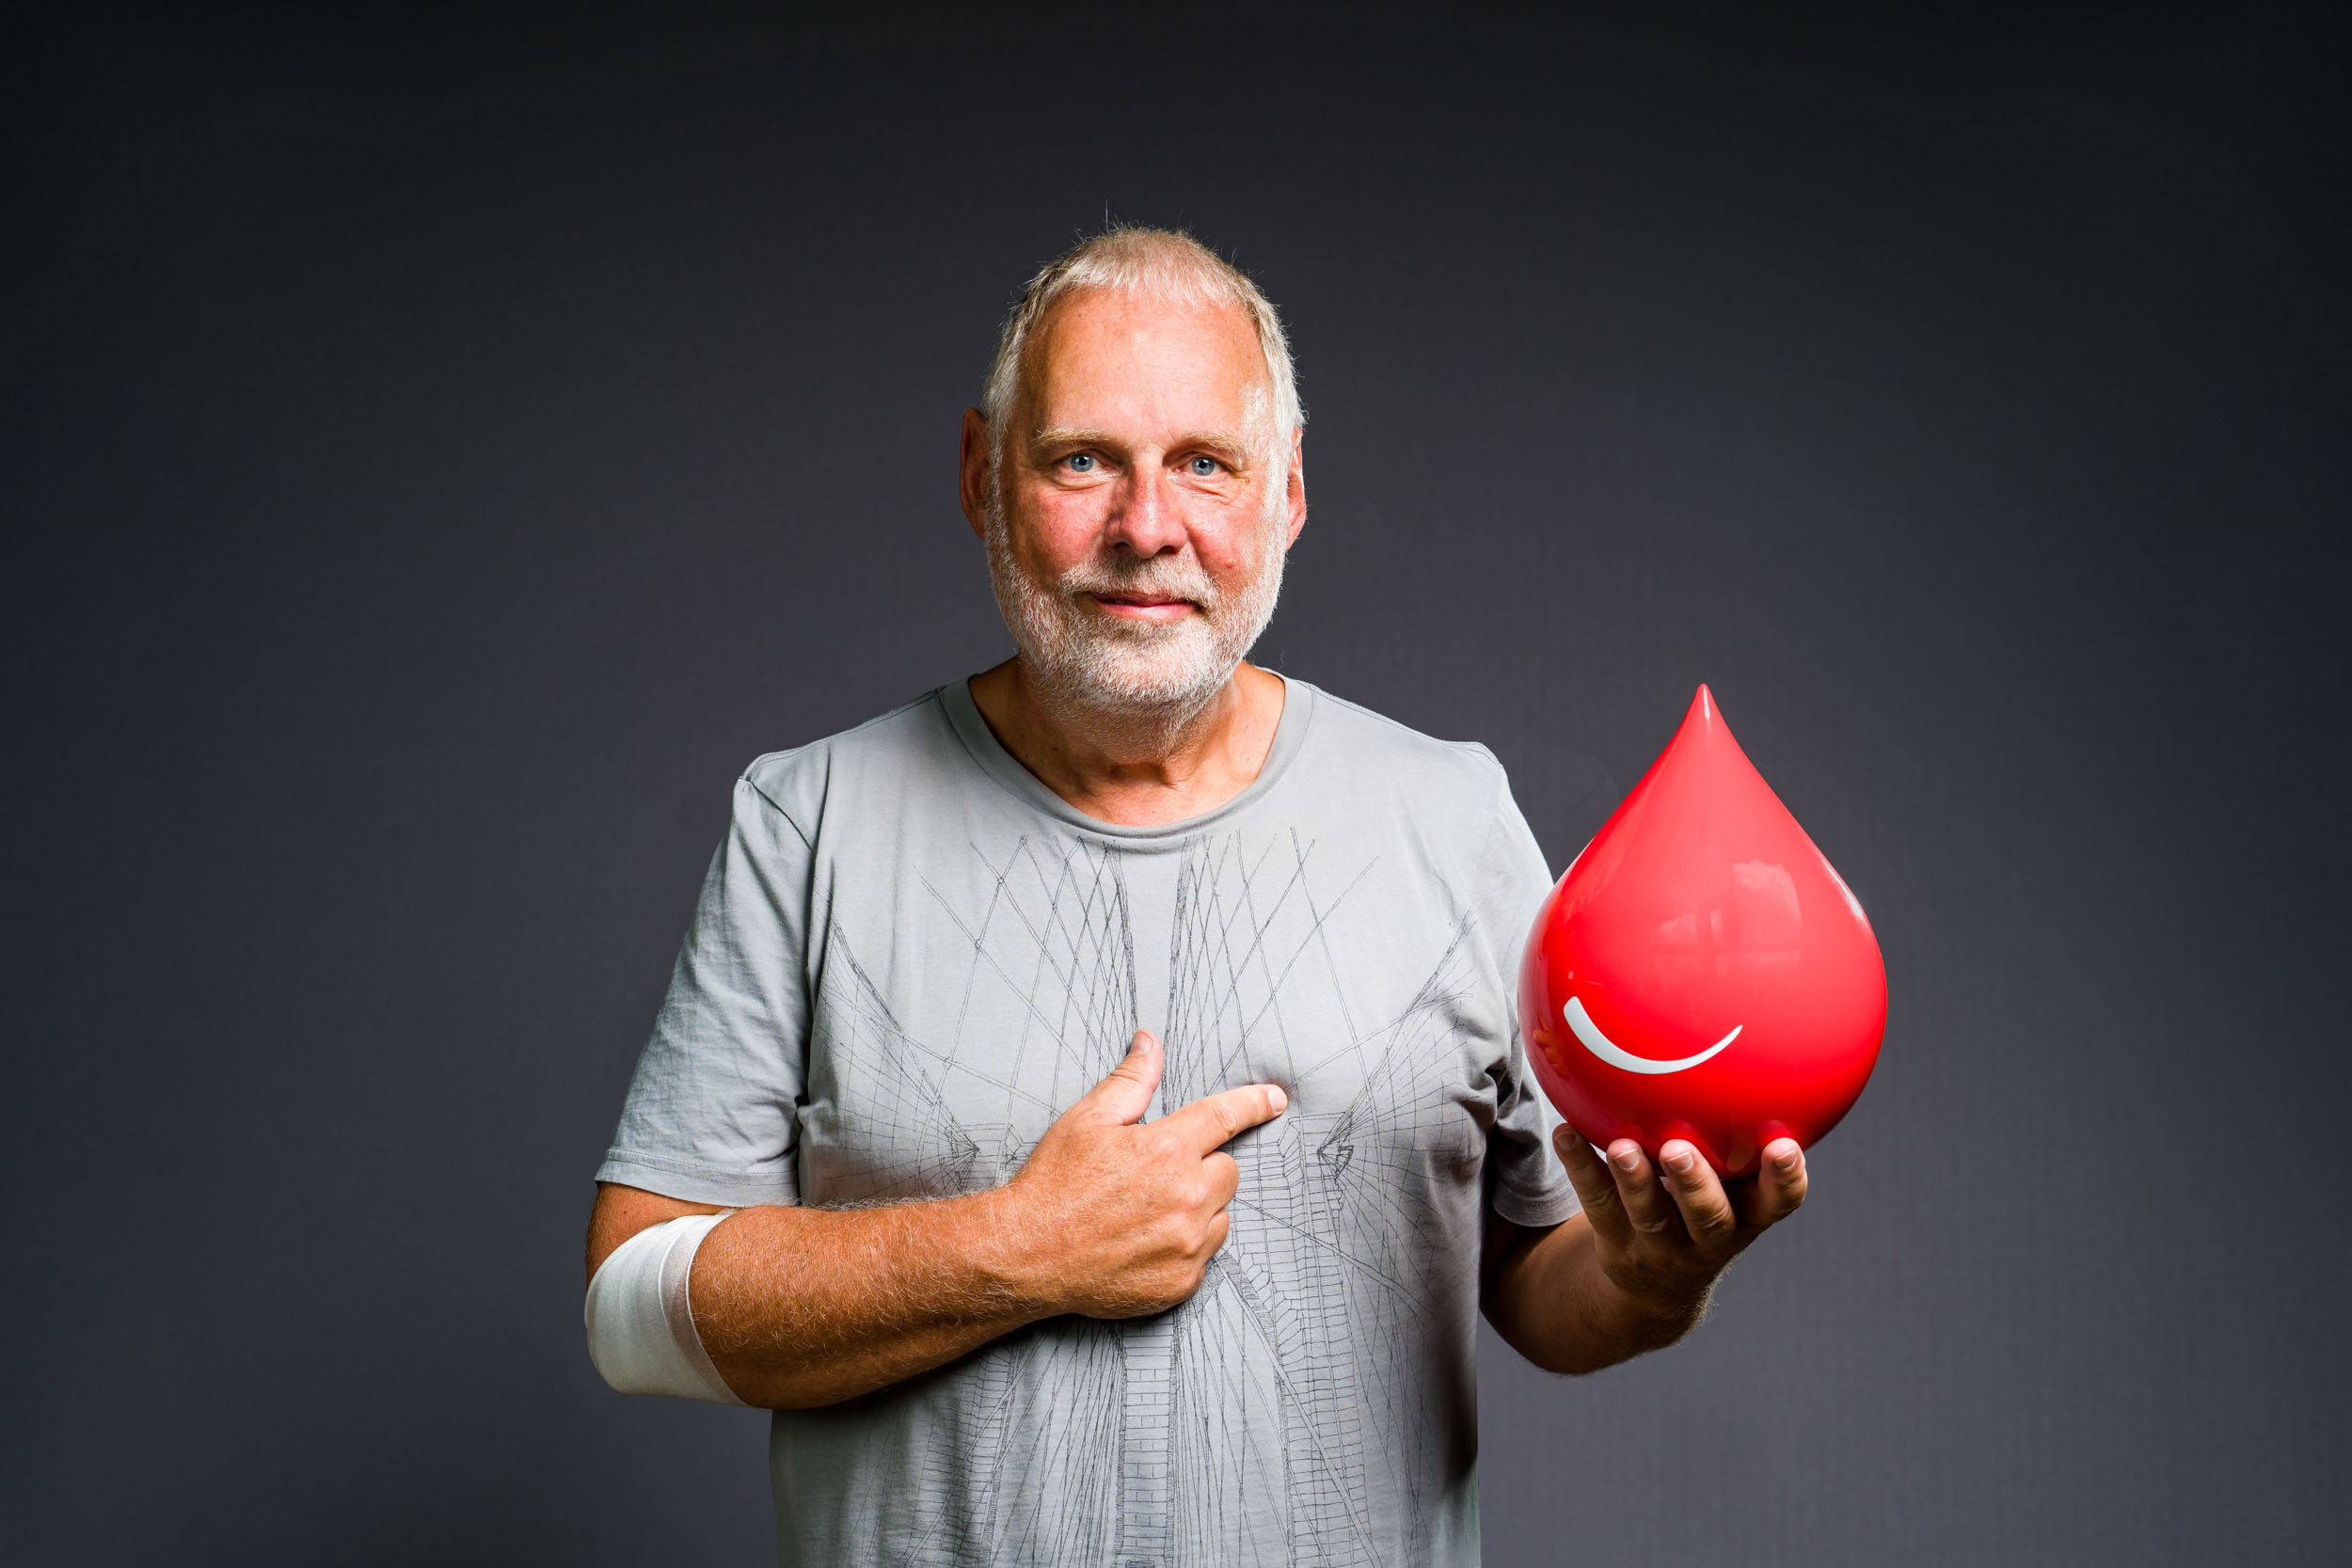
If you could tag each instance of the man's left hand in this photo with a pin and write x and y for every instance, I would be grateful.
(1663, 1232)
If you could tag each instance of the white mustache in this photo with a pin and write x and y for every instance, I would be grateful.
(1147, 580)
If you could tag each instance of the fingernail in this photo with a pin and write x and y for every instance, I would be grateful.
(1141, 1043)
(1627, 1159)
(1787, 1158)
(1275, 1097)
(1680, 1161)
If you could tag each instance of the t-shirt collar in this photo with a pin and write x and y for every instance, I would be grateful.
(1290, 732)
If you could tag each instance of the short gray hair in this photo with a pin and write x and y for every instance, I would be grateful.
(1167, 263)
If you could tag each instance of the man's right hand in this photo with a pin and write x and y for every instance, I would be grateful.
(1133, 1210)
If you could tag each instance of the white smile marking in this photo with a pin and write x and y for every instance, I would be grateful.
(1600, 1045)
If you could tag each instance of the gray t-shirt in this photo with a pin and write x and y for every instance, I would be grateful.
(910, 957)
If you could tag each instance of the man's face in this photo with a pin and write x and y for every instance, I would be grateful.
(1142, 509)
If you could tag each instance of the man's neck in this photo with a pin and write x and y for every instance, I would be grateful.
(1132, 770)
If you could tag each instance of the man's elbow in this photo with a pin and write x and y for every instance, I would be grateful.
(1573, 1348)
(1562, 1354)
(641, 1329)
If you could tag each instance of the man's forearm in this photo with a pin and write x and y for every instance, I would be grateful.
(1550, 1301)
(799, 1308)
(1107, 1218)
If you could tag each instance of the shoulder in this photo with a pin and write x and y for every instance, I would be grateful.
(798, 782)
(1383, 756)
(1443, 807)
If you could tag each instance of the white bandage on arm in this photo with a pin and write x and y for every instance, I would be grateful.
(640, 1325)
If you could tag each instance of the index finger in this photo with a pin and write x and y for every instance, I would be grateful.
(1595, 1188)
(1215, 1119)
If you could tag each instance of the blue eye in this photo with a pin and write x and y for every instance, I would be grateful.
(1205, 467)
(1080, 463)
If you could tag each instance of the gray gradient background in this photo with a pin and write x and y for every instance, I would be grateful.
(441, 451)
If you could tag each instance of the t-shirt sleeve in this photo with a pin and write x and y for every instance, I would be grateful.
(1527, 1183)
(712, 1115)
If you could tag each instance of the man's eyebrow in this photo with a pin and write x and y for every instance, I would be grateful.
(1061, 438)
(1224, 443)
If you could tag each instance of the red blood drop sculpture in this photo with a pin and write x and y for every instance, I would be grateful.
(1702, 972)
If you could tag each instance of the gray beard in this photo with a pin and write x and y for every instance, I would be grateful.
(1142, 683)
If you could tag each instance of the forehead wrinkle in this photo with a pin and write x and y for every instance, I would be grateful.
(1033, 368)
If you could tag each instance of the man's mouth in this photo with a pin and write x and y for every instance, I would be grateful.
(1149, 608)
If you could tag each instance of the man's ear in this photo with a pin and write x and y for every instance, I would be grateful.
(973, 470)
(1298, 485)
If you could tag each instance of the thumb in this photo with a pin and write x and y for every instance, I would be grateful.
(1122, 1099)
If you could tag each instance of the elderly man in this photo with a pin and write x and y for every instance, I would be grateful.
(1089, 1107)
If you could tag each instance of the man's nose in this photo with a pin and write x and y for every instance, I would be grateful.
(1144, 516)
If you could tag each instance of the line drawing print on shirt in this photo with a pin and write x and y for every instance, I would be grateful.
(1147, 1425)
